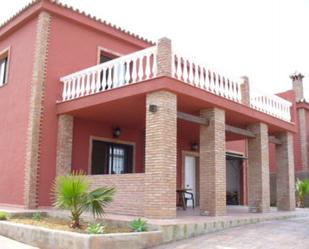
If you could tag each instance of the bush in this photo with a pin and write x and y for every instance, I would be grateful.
(302, 189)
(138, 225)
(3, 215)
(71, 192)
(37, 216)
(95, 228)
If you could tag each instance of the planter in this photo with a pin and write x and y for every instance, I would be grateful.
(45, 238)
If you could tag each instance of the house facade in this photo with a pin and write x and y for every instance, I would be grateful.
(80, 94)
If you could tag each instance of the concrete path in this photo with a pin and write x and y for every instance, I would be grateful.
(6, 243)
(281, 234)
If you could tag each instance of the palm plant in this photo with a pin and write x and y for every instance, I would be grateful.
(71, 192)
(302, 189)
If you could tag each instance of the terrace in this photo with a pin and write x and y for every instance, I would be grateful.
(141, 66)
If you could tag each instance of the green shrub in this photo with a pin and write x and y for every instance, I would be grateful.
(71, 192)
(3, 215)
(138, 225)
(95, 228)
(37, 216)
(302, 189)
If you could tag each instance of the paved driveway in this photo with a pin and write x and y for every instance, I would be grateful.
(6, 243)
(284, 234)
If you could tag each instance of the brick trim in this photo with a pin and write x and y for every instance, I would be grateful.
(303, 138)
(34, 129)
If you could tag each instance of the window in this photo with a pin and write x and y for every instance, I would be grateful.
(3, 67)
(111, 158)
(117, 70)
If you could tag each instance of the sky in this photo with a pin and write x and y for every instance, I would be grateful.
(266, 40)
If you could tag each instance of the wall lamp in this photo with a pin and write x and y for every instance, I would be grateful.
(153, 108)
(116, 132)
(194, 146)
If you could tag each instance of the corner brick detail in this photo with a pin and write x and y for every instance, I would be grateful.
(245, 91)
(285, 172)
(258, 169)
(36, 111)
(303, 138)
(212, 163)
(64, 144)
(164, 57)
(160, 155)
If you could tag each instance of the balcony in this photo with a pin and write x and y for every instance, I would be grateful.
(142, 66)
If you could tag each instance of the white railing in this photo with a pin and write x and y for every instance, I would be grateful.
(270, 104)
(142, 65)
(198, 75)
(122, 71)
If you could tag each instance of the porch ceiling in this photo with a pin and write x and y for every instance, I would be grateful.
(125, 106)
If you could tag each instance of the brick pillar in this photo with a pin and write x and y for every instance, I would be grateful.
(164, 57)
(160, 155)
(245, 91)
(285, 172)
(213, 163)
(258, 169)
(64, 144)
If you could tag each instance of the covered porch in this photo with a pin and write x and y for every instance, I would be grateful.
(160, 119)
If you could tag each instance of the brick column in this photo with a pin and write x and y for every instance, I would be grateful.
(160, 155)
(258, 169)
(245, 91)
(213, 163)
(64, 144)
(285, 172)
(164, 57)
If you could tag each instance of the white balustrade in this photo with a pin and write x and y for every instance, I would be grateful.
(142, 65)
(198, 75)
(119, 72)
(270, 104)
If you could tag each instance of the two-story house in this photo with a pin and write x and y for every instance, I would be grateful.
(80, 94)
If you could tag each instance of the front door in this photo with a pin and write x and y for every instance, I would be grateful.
(190, 171)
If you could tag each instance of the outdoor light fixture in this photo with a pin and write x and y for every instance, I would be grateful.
(194, 146)
(116, 132)
(153, 108)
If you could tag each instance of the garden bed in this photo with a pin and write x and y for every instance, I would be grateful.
(63, 225)
(34, 233)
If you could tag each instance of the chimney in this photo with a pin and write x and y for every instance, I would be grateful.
(298, 87)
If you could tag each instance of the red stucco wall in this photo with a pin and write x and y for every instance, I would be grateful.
(14, 109)
(71, 47)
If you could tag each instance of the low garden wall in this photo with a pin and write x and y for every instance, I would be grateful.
(45, 238)
(129, 197)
